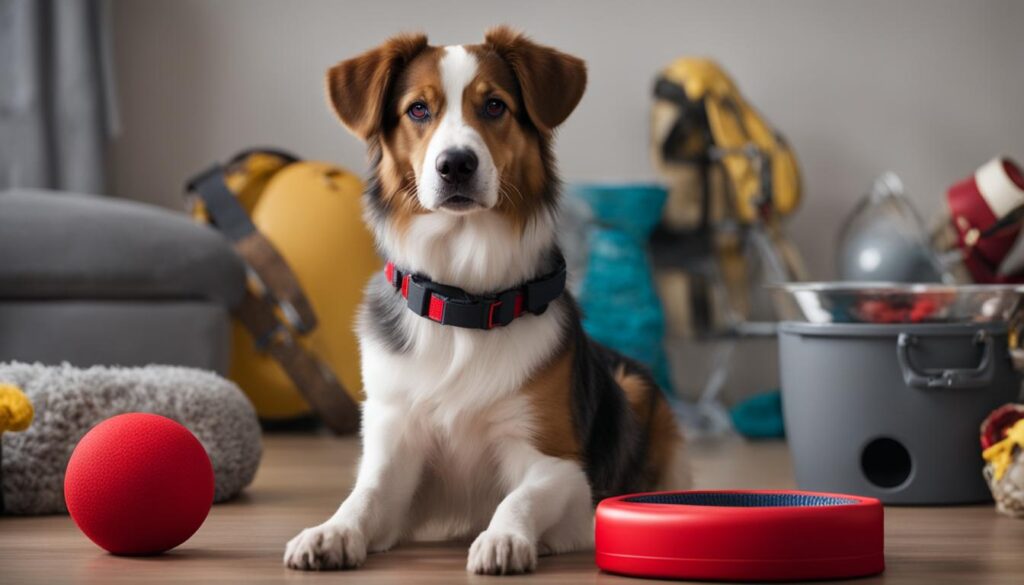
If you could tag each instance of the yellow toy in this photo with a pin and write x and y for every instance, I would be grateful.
(1002, 441)
(15, 409)
(1002, 453)
(16, 414)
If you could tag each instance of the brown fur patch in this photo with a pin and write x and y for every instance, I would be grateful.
(550, 394)
(552, 82)
(653, 412)
(515, 145)
(404, 142)
(358, 87)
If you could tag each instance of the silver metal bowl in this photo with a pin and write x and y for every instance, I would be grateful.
(886, 302)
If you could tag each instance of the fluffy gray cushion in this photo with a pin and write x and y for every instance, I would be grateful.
(68, 401)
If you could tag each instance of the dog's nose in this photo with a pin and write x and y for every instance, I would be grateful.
(456, 165)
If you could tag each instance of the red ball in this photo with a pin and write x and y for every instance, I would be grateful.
(139, 484)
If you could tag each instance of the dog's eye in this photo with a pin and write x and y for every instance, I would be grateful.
(418, 111)
(494, 108)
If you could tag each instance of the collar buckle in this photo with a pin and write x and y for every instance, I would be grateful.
(504, 309)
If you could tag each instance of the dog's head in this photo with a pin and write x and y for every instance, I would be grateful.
(460, 129)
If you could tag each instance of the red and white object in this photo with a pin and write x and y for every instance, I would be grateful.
(740, 535)
(139, 484)
(976, 204)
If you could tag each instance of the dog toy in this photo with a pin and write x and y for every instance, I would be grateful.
(1002, 443)
(15, 415)
(68, 401)
(139, 484)
(15, 409)
(740, 535)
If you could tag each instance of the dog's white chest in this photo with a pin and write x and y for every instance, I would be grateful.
(451, 373)
(456, 395)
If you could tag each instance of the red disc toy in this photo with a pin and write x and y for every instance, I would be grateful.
(139, 484)
(740, 535)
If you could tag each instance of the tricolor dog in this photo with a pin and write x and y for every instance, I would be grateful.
(489, 414)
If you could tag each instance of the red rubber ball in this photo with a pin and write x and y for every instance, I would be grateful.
(139, 484)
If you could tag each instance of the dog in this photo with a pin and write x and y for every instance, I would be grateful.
(489, 414)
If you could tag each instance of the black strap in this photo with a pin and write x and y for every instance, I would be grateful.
(311, 376)
(267, 267)
(541, 292)
(284, 155)
(692, 118)
(454, 306)
(223, 208)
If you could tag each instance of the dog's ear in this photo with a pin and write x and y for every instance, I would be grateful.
(552, 82)
(358, 87)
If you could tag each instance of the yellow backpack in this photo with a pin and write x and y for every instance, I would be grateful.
(731, 179)
(298, 225)
(714, 117)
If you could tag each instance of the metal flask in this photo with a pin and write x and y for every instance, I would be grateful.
(884, 240)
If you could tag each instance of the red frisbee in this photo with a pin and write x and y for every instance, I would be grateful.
(740, 535)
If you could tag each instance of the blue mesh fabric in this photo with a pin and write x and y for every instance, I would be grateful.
(733, 500)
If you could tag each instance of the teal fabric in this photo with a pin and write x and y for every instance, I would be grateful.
(760, 416)
(621, 308)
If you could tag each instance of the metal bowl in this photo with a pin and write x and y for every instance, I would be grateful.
(888, 302)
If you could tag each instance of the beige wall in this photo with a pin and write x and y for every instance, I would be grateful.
(929, 89)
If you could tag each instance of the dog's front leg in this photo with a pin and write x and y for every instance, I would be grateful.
(549, 497)
(371, 517)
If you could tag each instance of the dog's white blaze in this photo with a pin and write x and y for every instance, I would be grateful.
(458, 68)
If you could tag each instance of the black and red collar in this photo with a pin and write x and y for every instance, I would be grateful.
(449, 305)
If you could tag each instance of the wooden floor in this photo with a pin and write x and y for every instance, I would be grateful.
(303, 478)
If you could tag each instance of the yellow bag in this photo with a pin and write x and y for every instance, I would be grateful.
(714, 116)
(731, 179)
(311, 213)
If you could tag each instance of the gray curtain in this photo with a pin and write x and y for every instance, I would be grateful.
(57, 107)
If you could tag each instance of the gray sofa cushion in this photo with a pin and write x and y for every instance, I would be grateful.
(65, 246)
(83, 333)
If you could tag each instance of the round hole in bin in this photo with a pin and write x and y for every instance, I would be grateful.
(886, 462)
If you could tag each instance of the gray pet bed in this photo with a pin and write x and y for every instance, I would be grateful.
(68, 401)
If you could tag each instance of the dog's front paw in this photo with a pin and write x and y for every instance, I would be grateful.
(501, 553)
(326, 547)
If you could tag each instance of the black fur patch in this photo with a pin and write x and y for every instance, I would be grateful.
(373, 197)
(614, 443)
(552, 190)
(382, 315)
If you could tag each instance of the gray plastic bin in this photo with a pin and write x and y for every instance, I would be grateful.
(893, 411)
